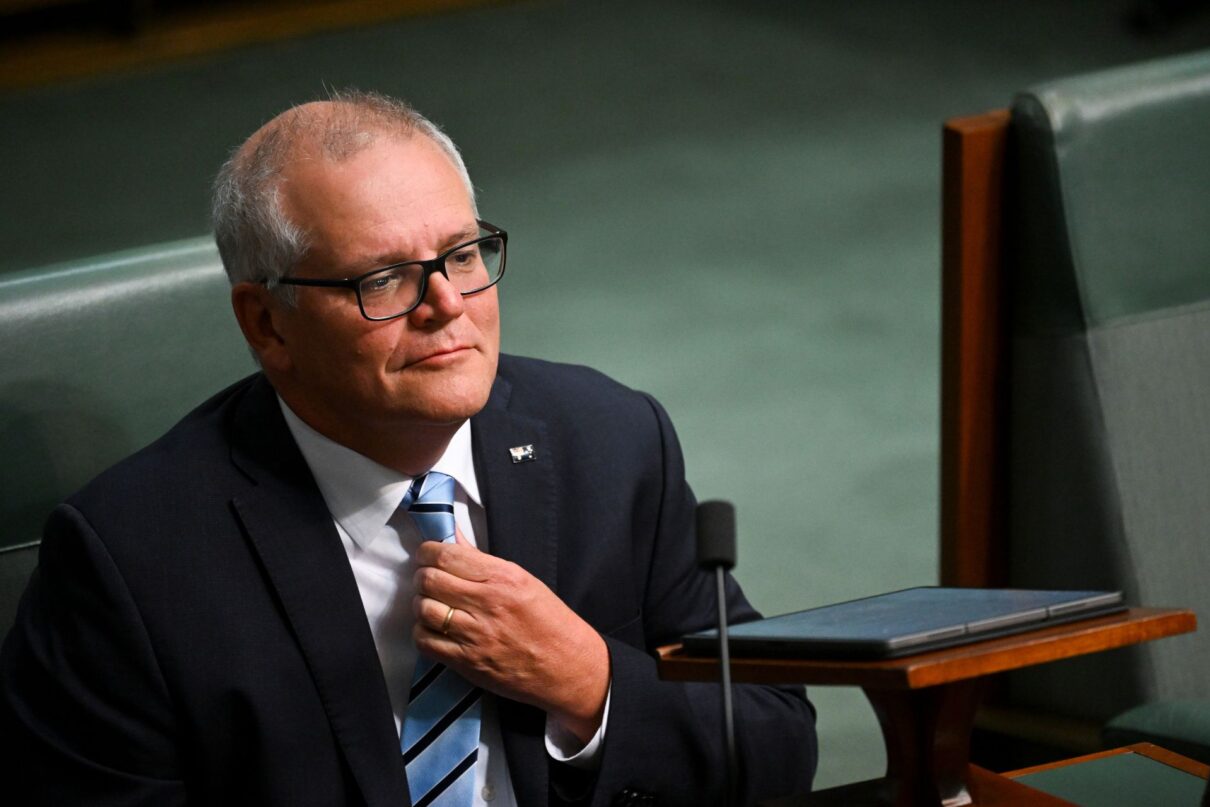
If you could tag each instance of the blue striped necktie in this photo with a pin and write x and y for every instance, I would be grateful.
(440, 741)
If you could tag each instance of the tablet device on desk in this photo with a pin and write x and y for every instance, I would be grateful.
(903, 622)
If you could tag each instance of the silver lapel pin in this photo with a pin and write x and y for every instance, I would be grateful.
(522, 454)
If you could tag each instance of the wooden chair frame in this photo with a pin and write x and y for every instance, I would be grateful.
(974, 345)
(973, 551)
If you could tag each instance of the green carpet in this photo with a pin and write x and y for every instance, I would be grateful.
(732, 205)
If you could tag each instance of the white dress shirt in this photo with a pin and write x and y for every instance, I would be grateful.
(361, 495)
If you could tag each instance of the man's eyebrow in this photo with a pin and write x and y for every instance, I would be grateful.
(467, 233)
(454, 239)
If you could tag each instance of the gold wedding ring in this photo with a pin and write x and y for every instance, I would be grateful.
(445, 626)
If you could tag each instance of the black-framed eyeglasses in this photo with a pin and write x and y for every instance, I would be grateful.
(395, 290)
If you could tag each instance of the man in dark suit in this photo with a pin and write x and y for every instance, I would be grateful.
(243, 612)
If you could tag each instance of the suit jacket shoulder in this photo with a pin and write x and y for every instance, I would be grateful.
(180, 464)
(566, 391)
(592, 418)
(210, 605)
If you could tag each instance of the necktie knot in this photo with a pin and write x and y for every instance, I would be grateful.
(430, 503)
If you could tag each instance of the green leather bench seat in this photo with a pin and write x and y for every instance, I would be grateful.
(1109, 371)
(98, 358)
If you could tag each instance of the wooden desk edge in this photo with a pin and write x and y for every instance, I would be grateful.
(959, 663)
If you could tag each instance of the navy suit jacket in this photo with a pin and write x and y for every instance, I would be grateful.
(194, 634)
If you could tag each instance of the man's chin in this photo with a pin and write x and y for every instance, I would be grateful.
(446, 389)
(451, 408)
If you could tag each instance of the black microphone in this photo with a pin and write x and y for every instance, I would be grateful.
(716, 550)
(716, 535)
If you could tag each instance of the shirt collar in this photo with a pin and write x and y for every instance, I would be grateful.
(361, 494)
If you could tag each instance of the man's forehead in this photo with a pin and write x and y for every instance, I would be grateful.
(396, 207)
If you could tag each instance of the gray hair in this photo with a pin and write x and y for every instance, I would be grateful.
(256, 239)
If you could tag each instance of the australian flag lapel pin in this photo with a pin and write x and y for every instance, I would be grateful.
(522, 454)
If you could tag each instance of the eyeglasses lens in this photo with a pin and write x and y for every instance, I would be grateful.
(470, 268)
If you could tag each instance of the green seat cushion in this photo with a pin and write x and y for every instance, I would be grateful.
(1121, 780)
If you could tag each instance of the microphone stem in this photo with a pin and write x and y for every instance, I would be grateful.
(724, 657)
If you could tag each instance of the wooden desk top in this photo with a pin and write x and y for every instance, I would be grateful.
(943, 666)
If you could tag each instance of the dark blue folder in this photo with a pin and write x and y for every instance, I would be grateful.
(903, 622)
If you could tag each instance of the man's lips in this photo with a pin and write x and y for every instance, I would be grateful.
(441, 355)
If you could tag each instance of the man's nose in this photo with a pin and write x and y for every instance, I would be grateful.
(441, 300)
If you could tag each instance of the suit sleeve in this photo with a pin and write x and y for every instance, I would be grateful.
(665, 738)
(84, 711)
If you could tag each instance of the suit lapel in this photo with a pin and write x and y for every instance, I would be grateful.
(519, 497)
(520, 503)
(292, 532)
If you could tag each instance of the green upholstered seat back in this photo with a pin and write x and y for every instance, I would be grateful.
(1115, 168)
(98, 358)
(1109, 414)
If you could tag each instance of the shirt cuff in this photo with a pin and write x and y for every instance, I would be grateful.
(565, 747)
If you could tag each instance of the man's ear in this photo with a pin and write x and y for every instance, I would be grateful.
(260, 316)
